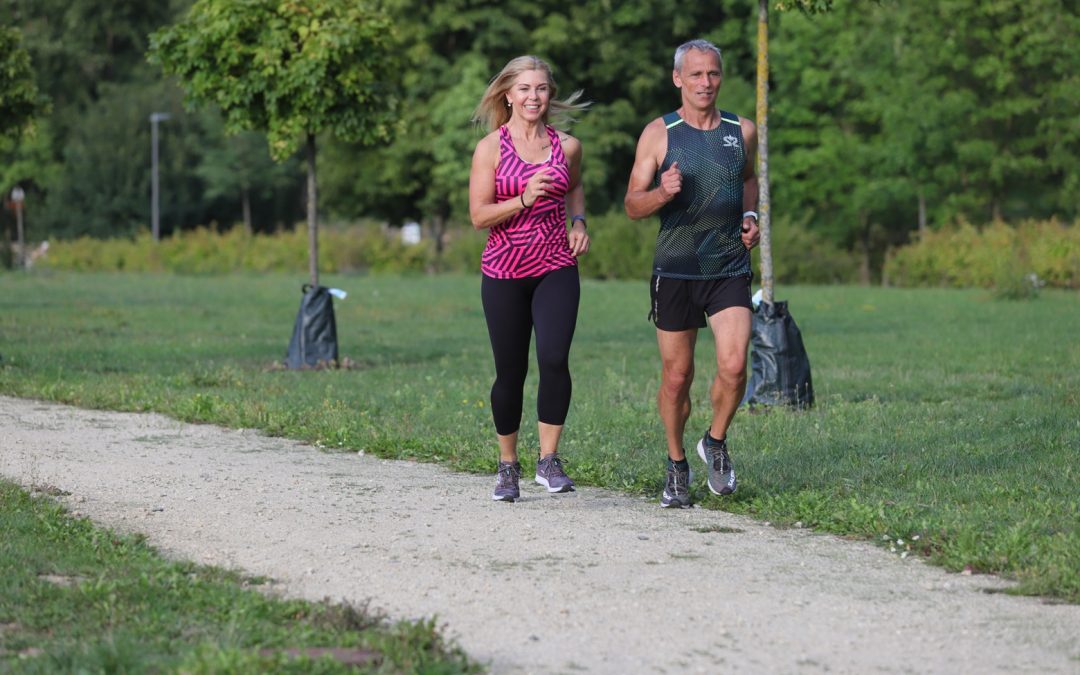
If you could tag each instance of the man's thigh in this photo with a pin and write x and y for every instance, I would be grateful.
(731, 333)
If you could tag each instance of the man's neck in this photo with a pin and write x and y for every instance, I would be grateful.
(706, 120)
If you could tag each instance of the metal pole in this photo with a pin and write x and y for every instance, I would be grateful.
(22, 240)
(17, 198)
(155, 221)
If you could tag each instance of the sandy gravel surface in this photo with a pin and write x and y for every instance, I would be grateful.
(591, 582)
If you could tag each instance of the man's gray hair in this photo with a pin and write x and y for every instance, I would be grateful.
(701, 46)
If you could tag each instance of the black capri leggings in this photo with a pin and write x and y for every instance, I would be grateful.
(513, 307)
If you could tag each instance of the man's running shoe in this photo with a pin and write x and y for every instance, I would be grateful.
(721, 471)
(676, 488)
(550, 474)
(506, 485)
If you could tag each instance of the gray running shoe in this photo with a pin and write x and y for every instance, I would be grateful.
(506, 485)
(721, 471)
(550, 474)
(677, 488)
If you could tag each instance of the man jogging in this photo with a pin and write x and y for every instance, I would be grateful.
(695, 169)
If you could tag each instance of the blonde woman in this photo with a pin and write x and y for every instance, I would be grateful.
(525, 190)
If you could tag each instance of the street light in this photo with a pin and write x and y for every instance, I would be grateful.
(17, 198)
(155, 226)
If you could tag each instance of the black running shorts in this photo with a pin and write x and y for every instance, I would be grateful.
(684, 304)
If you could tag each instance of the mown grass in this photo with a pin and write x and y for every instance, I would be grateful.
(947, 422)
(79, 599)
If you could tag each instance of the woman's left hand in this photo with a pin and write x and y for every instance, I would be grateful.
(579, 239)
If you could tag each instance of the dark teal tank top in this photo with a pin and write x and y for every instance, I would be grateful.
(700, 233)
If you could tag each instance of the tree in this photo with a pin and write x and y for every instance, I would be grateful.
(764, 190)
(610, 50)
(19, 98)
(1007, 75)
(900, 115)
(20, 103)
(293, 69)
(238, 168)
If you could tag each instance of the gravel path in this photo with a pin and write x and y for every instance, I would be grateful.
(590, 582)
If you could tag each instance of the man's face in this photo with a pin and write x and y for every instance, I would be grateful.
(699, 78)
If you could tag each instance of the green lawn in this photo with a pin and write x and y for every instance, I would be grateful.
(946, 420)
(80, 599)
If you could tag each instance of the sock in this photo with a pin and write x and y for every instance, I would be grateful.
(712, 441)
(681, 465)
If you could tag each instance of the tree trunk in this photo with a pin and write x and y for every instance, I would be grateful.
(437, 226)
(764, 221)
(922, 211)
(312, 213)
(20, 262)
(864, 241)
(245, 205)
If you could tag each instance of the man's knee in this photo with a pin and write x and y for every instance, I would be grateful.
(732, 369)
(676, 381)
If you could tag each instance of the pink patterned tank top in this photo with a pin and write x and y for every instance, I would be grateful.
(533, 242)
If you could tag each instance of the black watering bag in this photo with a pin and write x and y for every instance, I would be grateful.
(779, 366)
(314, 338)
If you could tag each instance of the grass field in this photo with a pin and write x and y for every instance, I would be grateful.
(947, 422)
(79, 599)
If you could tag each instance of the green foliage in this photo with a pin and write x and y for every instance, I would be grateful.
(808, 6)
(881, 111)
(620, 249)
(291, 69)
(1016, 261)
(801, 256)
(19, 98)
(76, 598)
(455, 47)
(943, 419)
(239, 168)
(462, 252)
(957, 106)
(366, 248)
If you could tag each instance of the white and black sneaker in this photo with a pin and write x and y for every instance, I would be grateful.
(677, 488)
(721, 470)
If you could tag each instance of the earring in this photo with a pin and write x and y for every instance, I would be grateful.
(508, 104)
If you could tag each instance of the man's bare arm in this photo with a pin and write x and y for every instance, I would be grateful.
(642, 200)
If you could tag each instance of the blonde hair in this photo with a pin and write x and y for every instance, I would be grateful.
(492, 111)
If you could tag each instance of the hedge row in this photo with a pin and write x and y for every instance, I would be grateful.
(999, 256)
(621, 249)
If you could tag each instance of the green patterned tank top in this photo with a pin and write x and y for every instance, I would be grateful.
(700, 233)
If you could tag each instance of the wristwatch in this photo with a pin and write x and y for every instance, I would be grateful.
(750, 214)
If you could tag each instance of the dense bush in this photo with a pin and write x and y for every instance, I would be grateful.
(1000, 256)
(205, 251)
(621, 249)
(802, 257)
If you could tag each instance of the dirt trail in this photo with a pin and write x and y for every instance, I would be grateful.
(593, 581)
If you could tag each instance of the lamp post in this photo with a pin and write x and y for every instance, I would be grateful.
(155, 225)
(17, 198)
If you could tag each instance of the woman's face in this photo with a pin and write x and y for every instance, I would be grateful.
(529, 95)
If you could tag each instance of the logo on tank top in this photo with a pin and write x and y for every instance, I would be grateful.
(731, 141)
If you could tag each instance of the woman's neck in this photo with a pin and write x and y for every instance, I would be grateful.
(526, 130)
